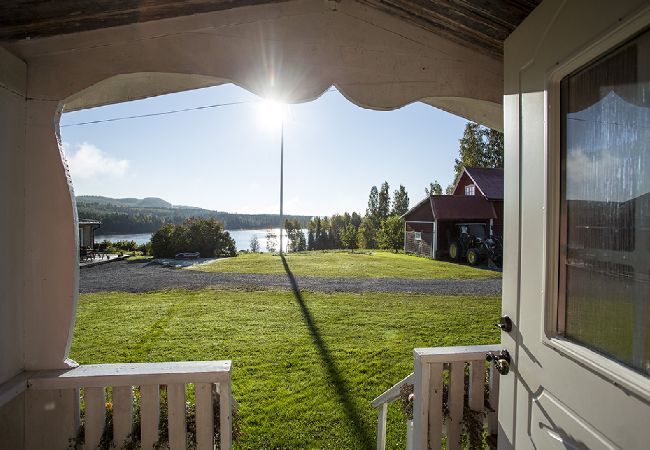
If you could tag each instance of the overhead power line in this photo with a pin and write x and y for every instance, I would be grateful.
(162, 113)
(173, 111)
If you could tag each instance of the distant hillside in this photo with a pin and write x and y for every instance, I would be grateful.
(148, 202)
(132, 215)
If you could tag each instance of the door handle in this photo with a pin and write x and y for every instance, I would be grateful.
(505, 323)
(500, 360)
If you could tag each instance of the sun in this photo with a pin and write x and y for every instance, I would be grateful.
(273, 114)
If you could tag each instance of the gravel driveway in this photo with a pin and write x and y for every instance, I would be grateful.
(138, 276)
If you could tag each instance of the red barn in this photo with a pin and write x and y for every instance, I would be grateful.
(477, 198)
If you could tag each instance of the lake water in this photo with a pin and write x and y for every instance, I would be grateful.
(242, 238)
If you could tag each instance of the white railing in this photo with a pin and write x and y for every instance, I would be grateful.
(381, 403)
(429, 425)
(206, 376)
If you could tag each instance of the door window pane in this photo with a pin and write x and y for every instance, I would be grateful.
(605, 225)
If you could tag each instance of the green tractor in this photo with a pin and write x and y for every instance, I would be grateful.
(471, 241)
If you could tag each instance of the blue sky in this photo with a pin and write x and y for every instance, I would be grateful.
(228, 158)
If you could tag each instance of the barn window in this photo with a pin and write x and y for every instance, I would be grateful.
(605, 205)
(470, 189)
(418, 235)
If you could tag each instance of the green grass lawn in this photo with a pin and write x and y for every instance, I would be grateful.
(304, 372)
(379, 264)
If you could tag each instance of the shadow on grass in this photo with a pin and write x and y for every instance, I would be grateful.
(333, 374)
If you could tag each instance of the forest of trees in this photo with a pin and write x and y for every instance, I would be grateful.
(381, 226)
(127, 216)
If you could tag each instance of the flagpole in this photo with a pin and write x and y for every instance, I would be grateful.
(281, 183)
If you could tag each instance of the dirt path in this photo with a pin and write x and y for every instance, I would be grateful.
(136, 276)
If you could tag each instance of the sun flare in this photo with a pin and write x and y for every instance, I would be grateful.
(272, 114)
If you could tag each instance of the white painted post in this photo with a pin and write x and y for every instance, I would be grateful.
(95, 416)
(435, 405)
(421, 376)
(434, 240)
(225, 416)
(381, 426)
(176, 416)
(456, 402)
(204, 417)
(149, 415)
(122, 414)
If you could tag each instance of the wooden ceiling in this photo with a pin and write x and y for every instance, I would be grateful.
(478, 24)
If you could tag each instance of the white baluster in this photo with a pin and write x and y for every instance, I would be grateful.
(94, 416)
(204, 417)
(476, 385)
(456, 400)
(122, 414)
(435, 405)
(176, 416)
(149, 415)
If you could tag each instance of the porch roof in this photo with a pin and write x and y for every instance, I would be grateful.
(472, 23)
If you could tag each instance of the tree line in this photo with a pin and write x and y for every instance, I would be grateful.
(381, 226)
(129, 219)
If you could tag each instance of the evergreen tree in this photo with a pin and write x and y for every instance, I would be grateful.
(479, 147)
(317, 234)
(324, 238)
(383, 202)
(373, 204)
(433, 189)
(355, 219)
(310, 238)
(400, 201)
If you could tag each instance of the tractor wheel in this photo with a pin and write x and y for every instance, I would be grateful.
(454, 250)
(473, 256)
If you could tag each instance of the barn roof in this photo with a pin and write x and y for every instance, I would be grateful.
(420, 213)
(488, 181)
(451, 207)
(461, 207)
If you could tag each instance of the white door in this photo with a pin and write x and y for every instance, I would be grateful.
(577, 216)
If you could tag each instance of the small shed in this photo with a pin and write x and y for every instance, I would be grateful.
(429, 224)
(87, 229)
(486, 183)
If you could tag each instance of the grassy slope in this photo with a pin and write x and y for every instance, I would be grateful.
(298, 386)
(346, 264)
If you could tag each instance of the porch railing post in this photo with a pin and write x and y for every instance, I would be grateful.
(421, 402)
